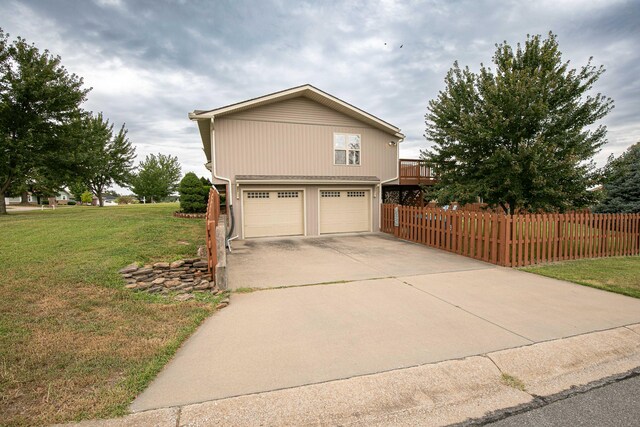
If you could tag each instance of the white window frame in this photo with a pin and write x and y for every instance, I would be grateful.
(346, 150)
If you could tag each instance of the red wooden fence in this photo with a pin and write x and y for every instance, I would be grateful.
(212, 218)
(516, 240)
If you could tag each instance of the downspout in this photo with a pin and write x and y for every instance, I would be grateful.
(222, 178)
(389, 180)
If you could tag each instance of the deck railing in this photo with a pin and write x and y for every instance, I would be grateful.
(415, 172)
(212, 218)
(516, 240)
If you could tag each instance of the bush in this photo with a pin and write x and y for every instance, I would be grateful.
(126, 200)
(193, 193)
(71, 202)
(45, 201)
(87, 197)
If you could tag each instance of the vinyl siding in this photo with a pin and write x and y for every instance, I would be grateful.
(298, 110)
(274, 148)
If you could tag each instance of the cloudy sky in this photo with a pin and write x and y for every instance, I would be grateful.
(151, 62)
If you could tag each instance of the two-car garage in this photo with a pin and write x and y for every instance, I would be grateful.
(305, 211)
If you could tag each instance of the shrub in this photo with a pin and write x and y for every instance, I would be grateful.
(87, 197)
(45, 201)
(192, 194)
(126, 200)
(71, 202)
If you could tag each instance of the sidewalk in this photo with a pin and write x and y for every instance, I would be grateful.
(442, 393)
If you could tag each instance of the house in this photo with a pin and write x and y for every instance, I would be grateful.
(300, 162)
(63, 197)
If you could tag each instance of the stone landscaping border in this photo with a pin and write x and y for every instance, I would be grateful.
(182, 277)
(189, 215)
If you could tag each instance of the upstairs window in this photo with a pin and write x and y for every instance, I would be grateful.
(346, 149)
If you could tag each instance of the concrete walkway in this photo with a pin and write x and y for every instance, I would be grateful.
(437, 394)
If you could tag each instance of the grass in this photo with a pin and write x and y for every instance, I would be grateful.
(74, 344)
(617, 274)
(514, 382)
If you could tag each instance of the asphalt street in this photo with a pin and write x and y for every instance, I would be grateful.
(616, 404)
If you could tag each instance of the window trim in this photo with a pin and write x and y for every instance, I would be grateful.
(333, 149)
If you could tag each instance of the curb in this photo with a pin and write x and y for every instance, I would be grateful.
(469, 391)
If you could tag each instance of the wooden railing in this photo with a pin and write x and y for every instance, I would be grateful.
(212, 218)
(516, 240)
(415, 172)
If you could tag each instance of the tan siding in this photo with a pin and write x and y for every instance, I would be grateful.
(273, 148)
(298, 110)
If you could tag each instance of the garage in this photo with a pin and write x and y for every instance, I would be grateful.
(345, 211)
(273, 213)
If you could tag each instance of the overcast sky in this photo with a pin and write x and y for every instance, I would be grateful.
(151, 62)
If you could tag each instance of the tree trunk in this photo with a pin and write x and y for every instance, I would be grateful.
(3, 206)
(100, 201)
(24, 197)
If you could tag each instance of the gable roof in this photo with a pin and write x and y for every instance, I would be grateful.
(307, 91)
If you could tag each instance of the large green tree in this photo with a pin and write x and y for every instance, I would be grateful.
(622, 183)
(157, 177)
(105, 159)
(519, 136)
(38, 100)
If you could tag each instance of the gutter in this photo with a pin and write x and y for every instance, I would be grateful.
(306, 182)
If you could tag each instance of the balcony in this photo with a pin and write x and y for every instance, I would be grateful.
(416, 172)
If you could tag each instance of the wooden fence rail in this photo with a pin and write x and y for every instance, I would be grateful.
(515, 240)
(212, 218)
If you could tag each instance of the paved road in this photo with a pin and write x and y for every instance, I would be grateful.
(616, 404)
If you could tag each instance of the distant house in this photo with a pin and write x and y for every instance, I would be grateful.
(15, 200)
(63, 197)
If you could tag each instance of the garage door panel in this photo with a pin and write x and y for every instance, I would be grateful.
(345, 211)
(273, 213)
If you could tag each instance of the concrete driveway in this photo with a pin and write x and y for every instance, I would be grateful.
(405, 305)
(274, 262)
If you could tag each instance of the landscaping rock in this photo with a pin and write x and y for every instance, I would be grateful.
(142, 271)
(180, 277)
(161, 265)
(184, 297)
(129, 269)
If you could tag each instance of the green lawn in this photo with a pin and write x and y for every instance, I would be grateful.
(74, 343)
(618, 274)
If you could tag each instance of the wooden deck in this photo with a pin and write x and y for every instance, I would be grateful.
(415, 172)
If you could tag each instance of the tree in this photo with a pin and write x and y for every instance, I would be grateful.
(86, 197)
(76, 188)
(191, 194)
(104, 159)
(157, 177)
(622, 183)
(518, 136)
(38, 100)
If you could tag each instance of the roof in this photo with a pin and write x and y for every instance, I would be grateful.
(307, 91)
(312, 179)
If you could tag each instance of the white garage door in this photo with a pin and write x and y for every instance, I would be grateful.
(273, 213)
(345, 211)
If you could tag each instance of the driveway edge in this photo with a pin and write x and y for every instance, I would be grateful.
(465, 391)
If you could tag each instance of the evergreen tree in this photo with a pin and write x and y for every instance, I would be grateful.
(622, 183)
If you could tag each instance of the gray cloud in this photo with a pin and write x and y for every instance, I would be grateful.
(150, 62)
